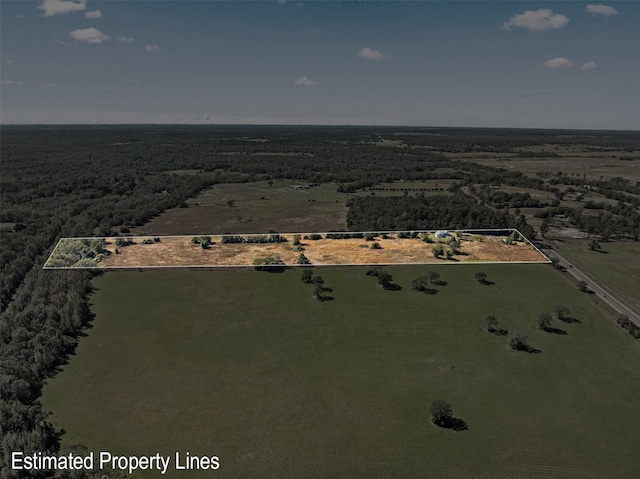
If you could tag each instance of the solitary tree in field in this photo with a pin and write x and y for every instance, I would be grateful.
(318, 292)
(307, 276)
(302, 259)
(385, 279)
(561, 312)
(518, 341)
(595, 245)
(480, 277)
(582, 286)
(544, 321)
(492, 323)
(441, 413)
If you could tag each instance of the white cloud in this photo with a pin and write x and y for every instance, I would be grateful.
(559, 62)
(589, 66)
(12, 82)
(89, 35)
(601, 9)
(371, 54)
(124, 39)
(60, 7)
(93, 15)
(305, 82)
(536, 20)
(152, 48)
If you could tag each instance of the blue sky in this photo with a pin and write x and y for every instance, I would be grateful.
(565, 64)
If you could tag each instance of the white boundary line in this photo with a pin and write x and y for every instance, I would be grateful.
(222, 266)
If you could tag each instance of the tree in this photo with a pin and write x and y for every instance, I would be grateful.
(544, 321)
(441, 413)
(296, 240)
(318, 292)
(231, 202)
(544, 227)
(317, 279)
(376, 245)
(561, 312)
(518, 341)
(307, 276)
(302, 259)
(595, 245)
(373, 271)
(385, 279)
(480, 277)
(582, 286)
(492, 323)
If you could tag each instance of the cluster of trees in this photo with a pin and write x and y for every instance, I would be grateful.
(320, 291)
(502, 199)
(423, 283)
(272, 264)
(624, 321)
(385, 279)
(607, 225)
(204, 241)
(272, 238)
(457, 211)
(78, 253)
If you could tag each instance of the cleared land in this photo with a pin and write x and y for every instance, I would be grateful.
(255, 207)
(382, 249)
(248, 366)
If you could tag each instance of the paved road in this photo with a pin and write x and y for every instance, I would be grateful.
(593, 286)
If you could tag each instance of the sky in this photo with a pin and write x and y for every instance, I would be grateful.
(557, 64)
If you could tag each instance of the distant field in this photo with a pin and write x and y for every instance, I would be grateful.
(571, 161)
(248, 366)
(256, 208)
(616, 268)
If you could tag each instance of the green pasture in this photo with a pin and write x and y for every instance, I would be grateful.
(255, 207)
(616, 267)
(596, 165)
(248, 366)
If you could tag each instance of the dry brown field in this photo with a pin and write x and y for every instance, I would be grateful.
(180, 251)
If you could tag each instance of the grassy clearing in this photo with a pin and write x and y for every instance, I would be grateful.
(616, 268)
(248, 366)
(257, 207)
(595, 165)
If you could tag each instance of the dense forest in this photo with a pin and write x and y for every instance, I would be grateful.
(90, 181)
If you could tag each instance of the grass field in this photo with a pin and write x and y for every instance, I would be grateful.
(571, 161)
(248, 366)
(616, 268)
(257, 207)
